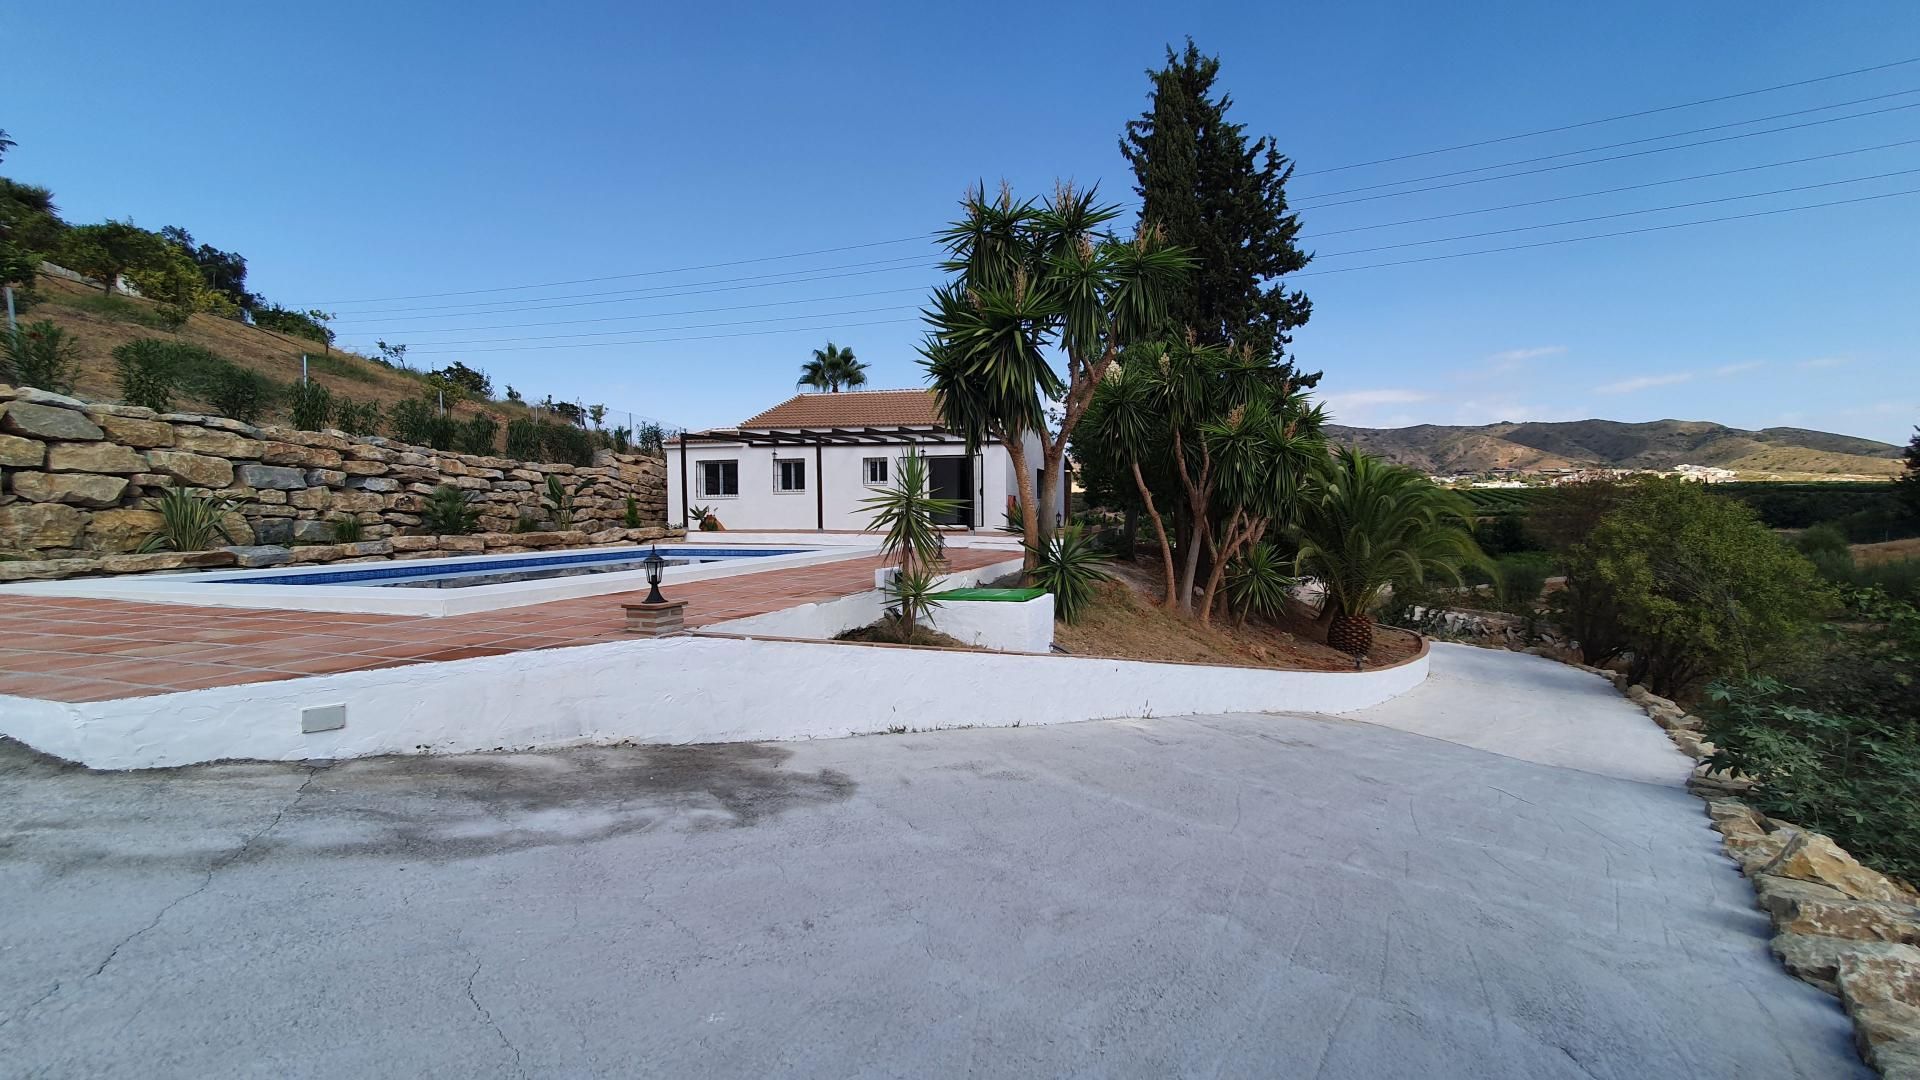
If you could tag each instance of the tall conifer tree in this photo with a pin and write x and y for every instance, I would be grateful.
(1223, 199)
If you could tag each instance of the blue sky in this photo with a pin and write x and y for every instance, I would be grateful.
(356, 152)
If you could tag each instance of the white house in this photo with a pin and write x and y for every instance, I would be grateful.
(806, 463)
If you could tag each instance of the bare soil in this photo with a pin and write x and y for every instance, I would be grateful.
(1126, 621)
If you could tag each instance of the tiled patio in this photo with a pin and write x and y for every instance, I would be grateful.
(71, 649)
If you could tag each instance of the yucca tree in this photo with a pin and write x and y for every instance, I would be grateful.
(831, 369)
(1036, 281)
(904, 514)
(1363, 526)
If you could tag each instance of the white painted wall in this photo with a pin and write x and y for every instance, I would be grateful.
(666, 690)
(824, 620)
(842, 471)
(1026, 626)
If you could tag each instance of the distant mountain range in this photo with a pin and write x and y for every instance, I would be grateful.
(1782, 452)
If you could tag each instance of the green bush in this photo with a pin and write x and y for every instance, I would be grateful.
(477, 435)
(1696, 586)
(1258, 582)
(347, 530)
(559, 502)
(1803, 505)
(146, 374)
(565, 443)
(189, 521)
(632, 516)
(39, 355)
(523, 439)
(1521, 575)
(357, 417)
(1825, 538)
(412, 421)
(443, 431)
(311, 405)
(1069, 567)
(1899, 579)
(239, 393)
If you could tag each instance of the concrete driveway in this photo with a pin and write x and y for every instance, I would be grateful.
(1223, 896)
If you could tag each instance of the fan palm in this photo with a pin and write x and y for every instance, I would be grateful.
(1364, 525)
(831, 369)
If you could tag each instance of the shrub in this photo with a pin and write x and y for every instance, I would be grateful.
(1823, 539)
(188, 521)
(523, 439)
(443, 431)
(1698, 588)
(559, 502)
(1519, 577)
(1068, 566)
(41, 355)
(357, 418)
(565, 443)
(146, 374)
(311, 405)
(477, 434)
(449, 511)
(1258, 582)
(347, 530)
(620, 437)
(632, 516)
(239, 393)
(910, 597)
(413, 421)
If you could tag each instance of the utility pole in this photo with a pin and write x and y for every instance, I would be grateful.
(303, 369)
(13, 324)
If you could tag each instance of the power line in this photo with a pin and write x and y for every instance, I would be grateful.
(1601, 161)
(639, 274)
(1618, 145)
(690, 326)
(697, 337)
(1611, 119)
(1606, 191)
(539, 303)
(1620, 214)
(654, 315)
(1604, 236)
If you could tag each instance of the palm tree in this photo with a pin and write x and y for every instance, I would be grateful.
(905, 514)
(1363, 526)
(832, 368)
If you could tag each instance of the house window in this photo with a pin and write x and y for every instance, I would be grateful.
(719, 479)
(876, 469)
(790, 475)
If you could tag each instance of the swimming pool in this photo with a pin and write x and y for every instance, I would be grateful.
(456, 585)
(502, 569)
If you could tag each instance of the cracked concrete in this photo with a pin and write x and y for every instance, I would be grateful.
(1248, 895)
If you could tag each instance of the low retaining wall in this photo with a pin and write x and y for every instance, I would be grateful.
(693, 689)
(79, 476)
(1012, 630)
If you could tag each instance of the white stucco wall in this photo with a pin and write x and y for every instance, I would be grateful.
(1026, 626)
(840, 471)
(665, 690)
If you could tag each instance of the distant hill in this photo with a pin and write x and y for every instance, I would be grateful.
(1785, 453)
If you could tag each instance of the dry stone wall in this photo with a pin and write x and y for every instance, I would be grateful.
(79, 478)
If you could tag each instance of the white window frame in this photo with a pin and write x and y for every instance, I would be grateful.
(700, 478)
(866, 471)
(780, 474)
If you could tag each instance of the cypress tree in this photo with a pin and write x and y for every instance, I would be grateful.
(1223, 199)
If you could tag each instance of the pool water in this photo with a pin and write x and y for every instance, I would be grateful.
(498, 570)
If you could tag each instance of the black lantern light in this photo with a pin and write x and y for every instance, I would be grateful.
(655, 565)
(1059, 519)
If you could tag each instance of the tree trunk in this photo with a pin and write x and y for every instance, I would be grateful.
(1052, 477)
(1160, 532)
(1029, 520)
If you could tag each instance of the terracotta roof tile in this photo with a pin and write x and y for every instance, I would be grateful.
(850, 409)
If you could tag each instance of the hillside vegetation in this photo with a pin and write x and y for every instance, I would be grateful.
(1771, 453)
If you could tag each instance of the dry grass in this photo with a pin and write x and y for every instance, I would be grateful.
(1125, 621)
(1889, 552)
(98, 328)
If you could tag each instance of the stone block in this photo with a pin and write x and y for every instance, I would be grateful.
(74, 489)
(326, 477)
(36, 396)
(39, 526)
(278, 477)
(373, 483)
(1812, 857)
(313, 532)
(1882, 976)
(167, 560)
(415, 543)
(312, 498)
(273, 530)
(45, 569)
(358, 467)
(357, 501)
(96, 457)
(258, 555)
(132, 431)
(49, 422)
(200, 470)
(121, 530)
(1817, 960)
(294, 454)
(225, 444)
(19, 453)
(1859, 920)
